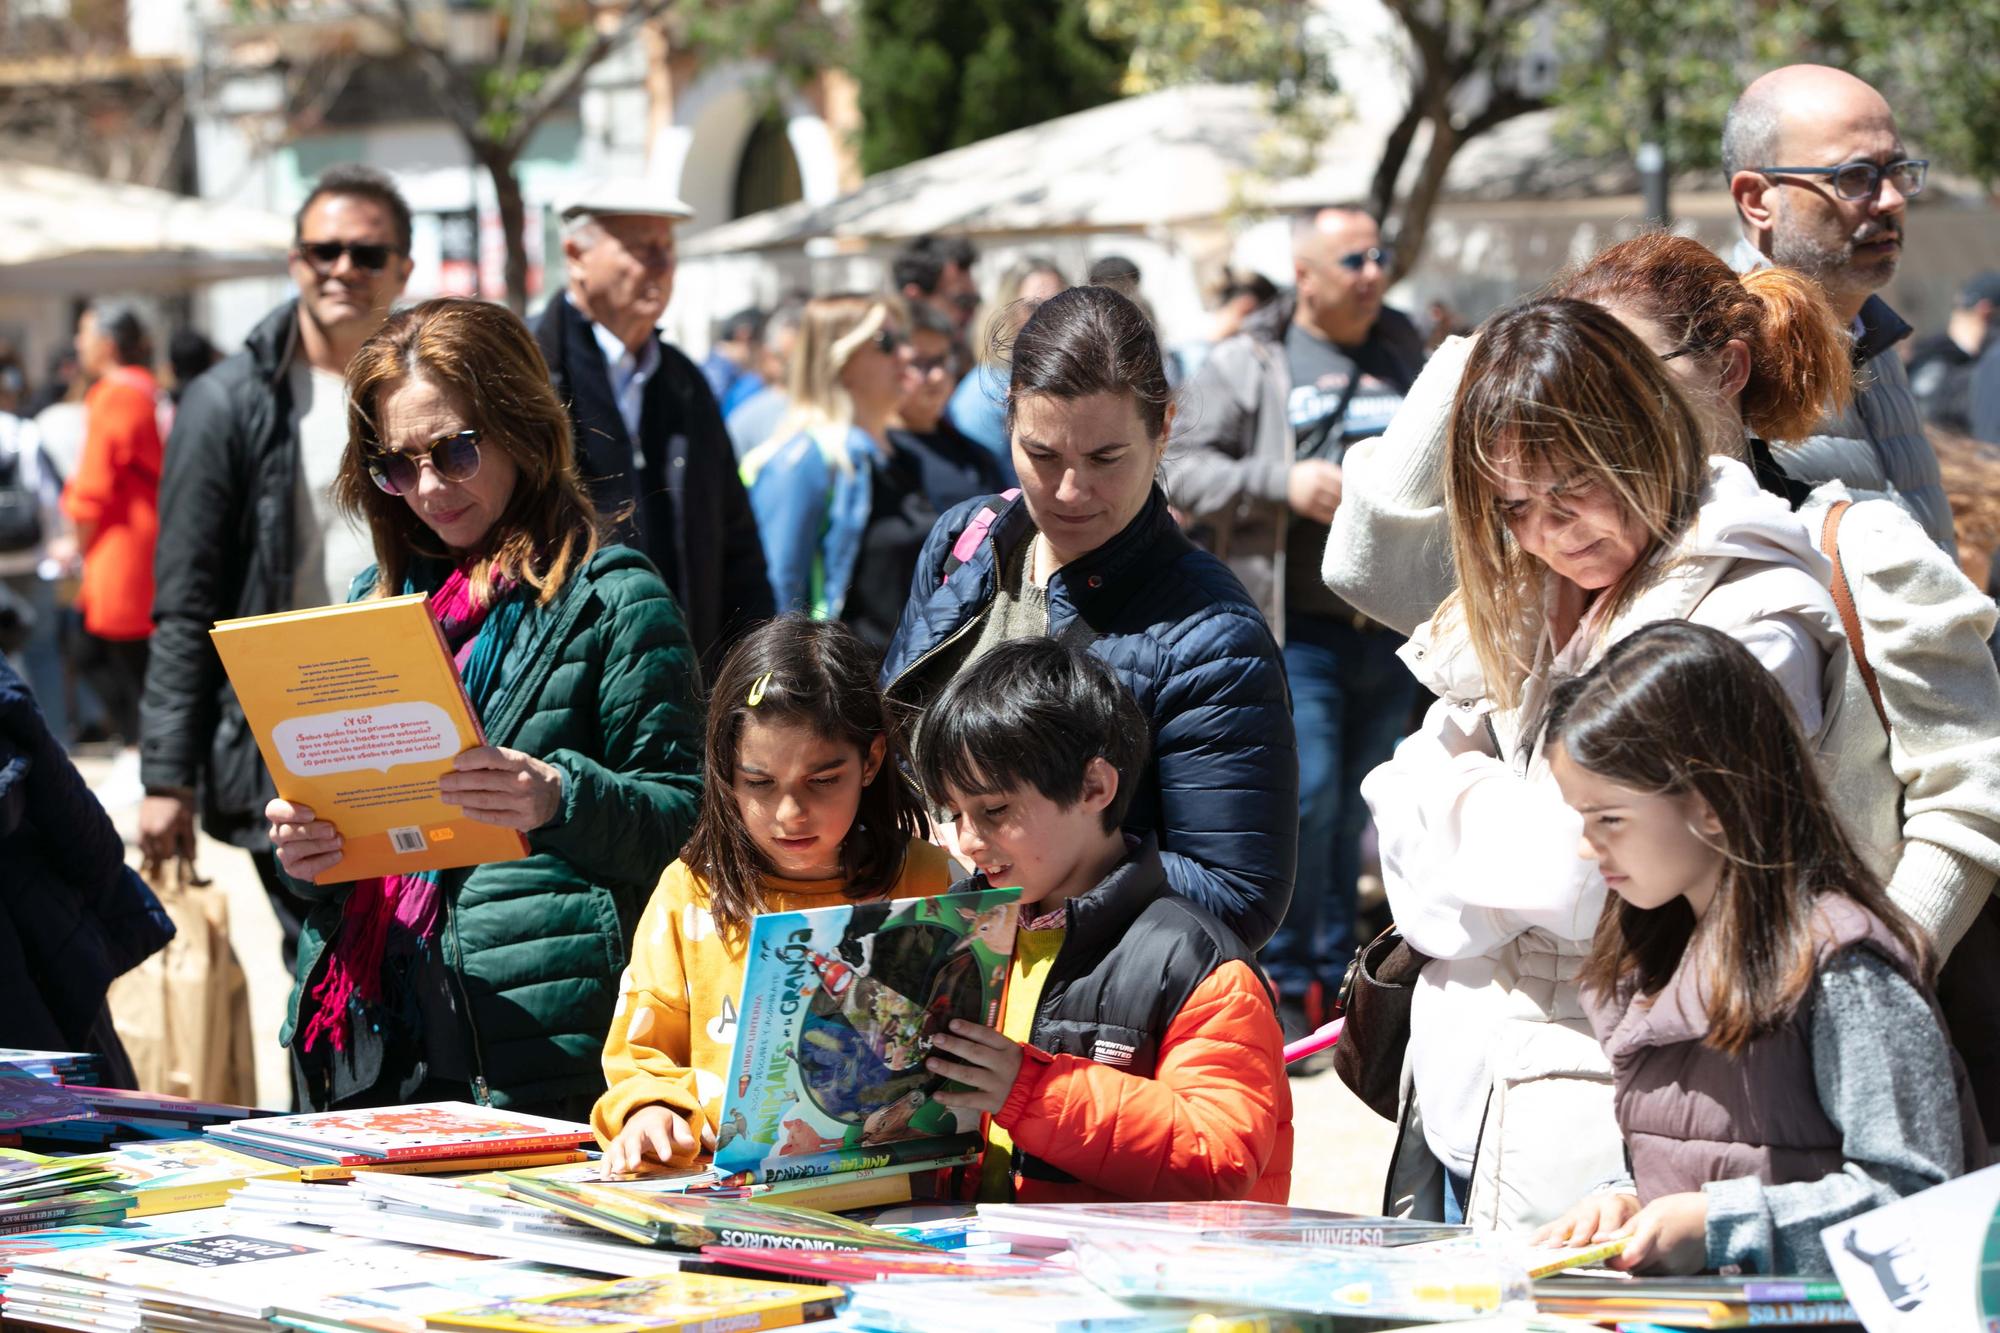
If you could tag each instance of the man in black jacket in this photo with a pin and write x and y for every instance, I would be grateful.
(649, 436)
(246, 525)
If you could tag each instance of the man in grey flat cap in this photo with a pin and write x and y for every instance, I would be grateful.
(649, 437)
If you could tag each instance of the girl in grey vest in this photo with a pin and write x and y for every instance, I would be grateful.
(1778, 1061)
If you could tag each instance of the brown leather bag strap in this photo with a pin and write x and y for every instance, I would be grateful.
(1843, 601)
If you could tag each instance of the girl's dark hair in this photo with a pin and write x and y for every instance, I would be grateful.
(807, 673)
(1033, 713)
(1090, 340)
(1679, 707)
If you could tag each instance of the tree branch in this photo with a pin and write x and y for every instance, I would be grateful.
(567, 77)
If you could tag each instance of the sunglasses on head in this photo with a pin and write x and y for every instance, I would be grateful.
(368, 255)
(1377, 255)
(456, 458)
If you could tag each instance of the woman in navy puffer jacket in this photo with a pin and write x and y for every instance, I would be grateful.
(1089, 553)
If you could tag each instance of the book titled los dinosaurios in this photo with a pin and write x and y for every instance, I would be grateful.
(834, 1028)
(358, 711)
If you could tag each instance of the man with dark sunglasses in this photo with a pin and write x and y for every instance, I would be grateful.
(1256, 467)
(937, 271)
(247, 523)
(1820, 178)
(650, 438)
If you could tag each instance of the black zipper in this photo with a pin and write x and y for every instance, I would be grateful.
(481, 1093)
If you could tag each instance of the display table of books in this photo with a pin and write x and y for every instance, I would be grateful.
(126, 1212)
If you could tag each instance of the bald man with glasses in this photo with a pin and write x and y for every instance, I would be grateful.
(1820, 177)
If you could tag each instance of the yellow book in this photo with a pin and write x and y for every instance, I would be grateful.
(1554, 1259)
(358, 711)
(178, 1175)
(663, 1302)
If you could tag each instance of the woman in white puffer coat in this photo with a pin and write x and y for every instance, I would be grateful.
(1581, 504)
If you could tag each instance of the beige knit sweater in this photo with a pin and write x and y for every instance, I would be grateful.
(1924, 627)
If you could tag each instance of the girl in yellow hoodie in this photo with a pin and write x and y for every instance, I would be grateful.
(802, 806)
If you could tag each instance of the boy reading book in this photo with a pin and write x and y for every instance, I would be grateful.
(1138, 1055)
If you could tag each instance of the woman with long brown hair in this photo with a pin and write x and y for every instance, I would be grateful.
(496, 983)
(1581, 503)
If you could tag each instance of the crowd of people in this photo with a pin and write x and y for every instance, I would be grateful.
(1630, 622)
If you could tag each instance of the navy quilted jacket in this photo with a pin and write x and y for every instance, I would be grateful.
(1221, 792)
(602, 684)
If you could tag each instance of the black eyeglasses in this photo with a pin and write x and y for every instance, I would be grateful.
(456, 458)
(325, 254)
(1860, 180)
(1377, 255)
(966, 301)
(924, 365)
(887, 341)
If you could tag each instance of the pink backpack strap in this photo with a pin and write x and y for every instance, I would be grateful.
(975, 532)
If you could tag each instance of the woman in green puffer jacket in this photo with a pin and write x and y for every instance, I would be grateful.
(496, 983)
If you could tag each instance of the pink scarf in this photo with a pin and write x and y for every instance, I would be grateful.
(354, 963)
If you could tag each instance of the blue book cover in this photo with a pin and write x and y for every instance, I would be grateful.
(839, 1006)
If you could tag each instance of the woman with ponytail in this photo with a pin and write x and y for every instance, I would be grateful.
(1762, 354)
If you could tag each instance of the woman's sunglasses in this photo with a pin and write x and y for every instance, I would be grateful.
(456, 458)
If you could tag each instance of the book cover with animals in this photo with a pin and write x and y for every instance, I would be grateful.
(838, 1011)
(358, 710)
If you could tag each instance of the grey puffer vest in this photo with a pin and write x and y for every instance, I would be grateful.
(1692, 1114)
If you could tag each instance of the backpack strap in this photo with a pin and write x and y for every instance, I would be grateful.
(1843, 601)
(975, 531)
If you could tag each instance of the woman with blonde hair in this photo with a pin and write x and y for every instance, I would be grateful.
(979, 405)
(1581, 502)
(495, 983)
(810, 483)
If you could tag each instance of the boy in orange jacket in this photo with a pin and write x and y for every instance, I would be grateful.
(1138, 1056)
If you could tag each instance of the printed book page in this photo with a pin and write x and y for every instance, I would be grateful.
(358, 710)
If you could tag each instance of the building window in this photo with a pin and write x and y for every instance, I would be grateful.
(767, 175)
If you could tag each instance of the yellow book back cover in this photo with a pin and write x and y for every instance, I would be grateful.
(358, 711)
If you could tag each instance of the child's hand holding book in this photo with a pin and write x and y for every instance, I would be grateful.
(988, 1063)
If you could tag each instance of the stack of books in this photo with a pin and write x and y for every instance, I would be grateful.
(223, 1277)
(32, 1104)
(1057, 1226)
(111, 1115)
(37, 1192)
(427, 1210)
(689, 1221)
(669, 1301)
(1698, 1302)
(427, 1137)
(178, 1175)
(54, 1066)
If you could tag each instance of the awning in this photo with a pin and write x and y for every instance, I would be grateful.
(65, 232)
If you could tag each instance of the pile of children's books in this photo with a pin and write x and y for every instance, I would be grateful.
(458, 1216)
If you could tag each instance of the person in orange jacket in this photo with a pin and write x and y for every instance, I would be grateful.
(113, 498)
(1138, 1056)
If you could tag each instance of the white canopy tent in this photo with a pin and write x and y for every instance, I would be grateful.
(63, 233)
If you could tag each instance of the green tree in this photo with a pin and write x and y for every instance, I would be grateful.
(1634, 71)
(938, 74)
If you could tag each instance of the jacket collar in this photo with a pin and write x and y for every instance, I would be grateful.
(1100, 915)
(1095, 585)
(1881, 329)
(274, 342)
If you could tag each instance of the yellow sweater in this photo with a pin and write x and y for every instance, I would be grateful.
(675, 1024)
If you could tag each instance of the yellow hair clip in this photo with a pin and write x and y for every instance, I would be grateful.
(757, 689)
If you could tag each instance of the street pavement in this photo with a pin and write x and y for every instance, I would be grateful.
(1341, 1147)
